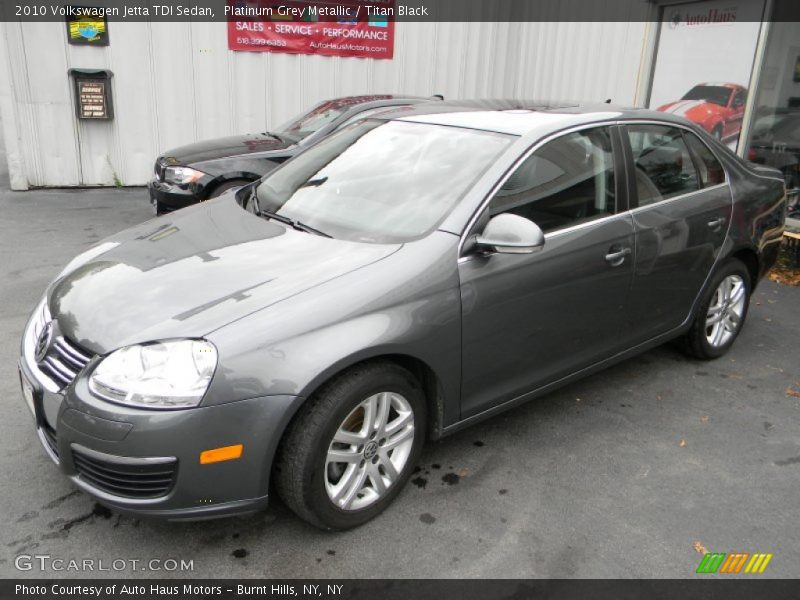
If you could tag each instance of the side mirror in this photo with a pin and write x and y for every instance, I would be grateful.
(511, 234)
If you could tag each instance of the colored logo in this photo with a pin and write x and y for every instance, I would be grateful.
(345, 20)
(737, 562)
(86, 29)
(378, 21)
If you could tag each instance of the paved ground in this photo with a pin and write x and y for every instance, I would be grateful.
(619, 475)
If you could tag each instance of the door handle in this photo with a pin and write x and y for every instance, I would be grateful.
(617, 257)
(716, 223)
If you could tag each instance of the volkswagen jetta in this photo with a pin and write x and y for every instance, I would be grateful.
(405, 277)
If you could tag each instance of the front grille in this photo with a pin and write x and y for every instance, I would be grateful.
(129, 480)
(64, 361)
(50, 438)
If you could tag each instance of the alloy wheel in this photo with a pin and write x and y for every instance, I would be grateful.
(369, 451)
(725, 312)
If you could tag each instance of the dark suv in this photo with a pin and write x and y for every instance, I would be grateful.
(203, 170)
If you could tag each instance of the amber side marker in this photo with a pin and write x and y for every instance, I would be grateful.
(220, 454)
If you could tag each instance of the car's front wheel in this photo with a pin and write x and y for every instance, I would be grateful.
(722, 312)
(353, 446)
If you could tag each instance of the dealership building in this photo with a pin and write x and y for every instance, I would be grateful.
(95, 106)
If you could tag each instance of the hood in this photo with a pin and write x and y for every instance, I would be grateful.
(686, 108)
(234, 145)
(187, 274)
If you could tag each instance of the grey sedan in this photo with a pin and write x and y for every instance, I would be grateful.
(406, 277)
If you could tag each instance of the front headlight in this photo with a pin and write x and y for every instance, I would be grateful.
(173, 374)
(182, 175)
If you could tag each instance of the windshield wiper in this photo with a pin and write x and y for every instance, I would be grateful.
(294, 224)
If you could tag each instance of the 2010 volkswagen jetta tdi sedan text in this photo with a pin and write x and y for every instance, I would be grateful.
(409, 275)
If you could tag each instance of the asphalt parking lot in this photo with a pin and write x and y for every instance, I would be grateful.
(630, 473)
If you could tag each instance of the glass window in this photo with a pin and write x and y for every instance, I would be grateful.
(565, 182)
(710, 170)
(774, 136)
(662, 163)
(315, 119)
(381, 181)
(715, 94)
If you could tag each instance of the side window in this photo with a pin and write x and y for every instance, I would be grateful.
(567, 181)
(662, 164)
(711, 172)
(739, 99)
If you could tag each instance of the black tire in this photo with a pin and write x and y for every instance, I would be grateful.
(224, 187)
(160, 210)
(696, 343)
(300, 468)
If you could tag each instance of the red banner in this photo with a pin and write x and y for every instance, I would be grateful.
(361, 28)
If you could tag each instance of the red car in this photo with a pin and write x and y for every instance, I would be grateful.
(716, 107)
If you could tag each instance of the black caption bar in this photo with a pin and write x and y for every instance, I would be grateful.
(403, 589)
(395, 10)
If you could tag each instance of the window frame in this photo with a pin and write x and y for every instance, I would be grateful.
(633, 194)
(621, 202)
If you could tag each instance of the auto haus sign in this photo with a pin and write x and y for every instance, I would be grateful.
(354, 28)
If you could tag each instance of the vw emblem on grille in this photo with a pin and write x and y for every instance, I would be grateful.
(43, 343)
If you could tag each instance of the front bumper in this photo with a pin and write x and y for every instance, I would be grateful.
(170, 196)
(107, 449)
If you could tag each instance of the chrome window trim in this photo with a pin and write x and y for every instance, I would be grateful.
(678, 197)
(630, 211)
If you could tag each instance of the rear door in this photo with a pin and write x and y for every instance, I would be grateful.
(681, 207)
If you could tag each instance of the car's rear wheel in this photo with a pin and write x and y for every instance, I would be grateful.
(224, 187)
(352, 448)
(722, 312)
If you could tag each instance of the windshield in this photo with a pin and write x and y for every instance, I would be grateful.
(314, 120)
(716, 94)
(381, 181)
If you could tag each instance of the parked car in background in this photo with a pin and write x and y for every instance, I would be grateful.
(403, 278)
(207, 169)
(716, 107)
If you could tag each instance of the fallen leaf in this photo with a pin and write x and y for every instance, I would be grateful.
(699, 548)
(704, 419)
(794, 393)
(682, 444)
(785, 275)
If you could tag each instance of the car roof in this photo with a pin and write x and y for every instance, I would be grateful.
(519, 117)
(345, 102)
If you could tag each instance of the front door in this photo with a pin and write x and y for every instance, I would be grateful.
(531, 319)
